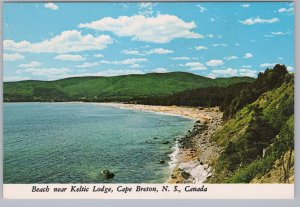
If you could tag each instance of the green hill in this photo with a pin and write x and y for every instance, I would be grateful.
(257, 141)
(117, 88)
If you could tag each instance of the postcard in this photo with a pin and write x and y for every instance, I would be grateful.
(148, 100)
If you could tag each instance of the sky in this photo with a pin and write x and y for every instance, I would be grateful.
(49, 41)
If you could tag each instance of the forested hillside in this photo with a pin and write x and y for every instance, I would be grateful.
(257, 139)
(118, 88)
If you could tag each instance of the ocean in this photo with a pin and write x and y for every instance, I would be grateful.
(75, 142)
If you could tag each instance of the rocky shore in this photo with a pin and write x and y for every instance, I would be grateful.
(190, 161)
(196, 150)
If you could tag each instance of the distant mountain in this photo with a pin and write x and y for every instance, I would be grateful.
(117, 88)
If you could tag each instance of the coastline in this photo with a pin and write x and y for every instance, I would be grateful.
(190, 160)
(192, 154)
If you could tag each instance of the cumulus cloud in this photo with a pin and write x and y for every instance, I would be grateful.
(12, 57)
(50, 73)
(267, 65)
(135, 66)
(98, 55)
(51, 6)
(15, 78)
(159, 29)
(131, 52)
(230, 57)
(200, 48)
(245, 5)
(184, 58)
(215, 63)
(111, 72)
(194, 66)
(32, 64)
(220, 45)
(130, 61)
(159, 51)
(229, 72)
(258, 20)
(67, 41)
(248, 72)
(70, 57)
(248, 55)
(146, 8)
(201, 8)
(160, 70)
(88, 64)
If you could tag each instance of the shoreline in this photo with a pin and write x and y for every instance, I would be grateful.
(190, 160)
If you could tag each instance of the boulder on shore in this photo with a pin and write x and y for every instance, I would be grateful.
(107, 174)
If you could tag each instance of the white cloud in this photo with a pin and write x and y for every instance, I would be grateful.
(245, 5)
(125, 62)
(160, 70)
(229, 72)
(248, 72)
(279, 33)
(280, 58)
(108, 72)
(32, 64)
(220, 45)
(15, 78)
(70, 57)
(182, 58)
(194, 66)
(88, 64)
(135, 66)
(146, 8)
(210, 35)
(159, 29)
(131, 52)
(230, 57)
(198, 68)
(98, 55)
(246, 66)
(201, 8)
(290, 68)
(159, 51)
(258, 20)
(289, 10)
(51, 6)
(50, 73)
(212, 19)
(267, 65)
(215, 63)
(200, 48)
(67, 41)
(12, 57)
(248, 55)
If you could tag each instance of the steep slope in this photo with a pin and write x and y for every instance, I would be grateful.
(117, 88)
(257, 142)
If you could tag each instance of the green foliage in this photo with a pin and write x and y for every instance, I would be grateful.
(262, 127)
(268, 80)
(117, 88)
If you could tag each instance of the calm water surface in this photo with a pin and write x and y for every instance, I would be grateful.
(74, 142)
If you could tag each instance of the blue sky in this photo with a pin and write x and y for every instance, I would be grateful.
(48, 41)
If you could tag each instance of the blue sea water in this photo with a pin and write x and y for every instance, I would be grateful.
(74, 142)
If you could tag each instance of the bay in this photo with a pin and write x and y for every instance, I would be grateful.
(74, 142)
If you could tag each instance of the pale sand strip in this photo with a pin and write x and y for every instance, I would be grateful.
(194, 161)
(188, 112)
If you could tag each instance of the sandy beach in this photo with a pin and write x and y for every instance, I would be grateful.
(190, 161)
